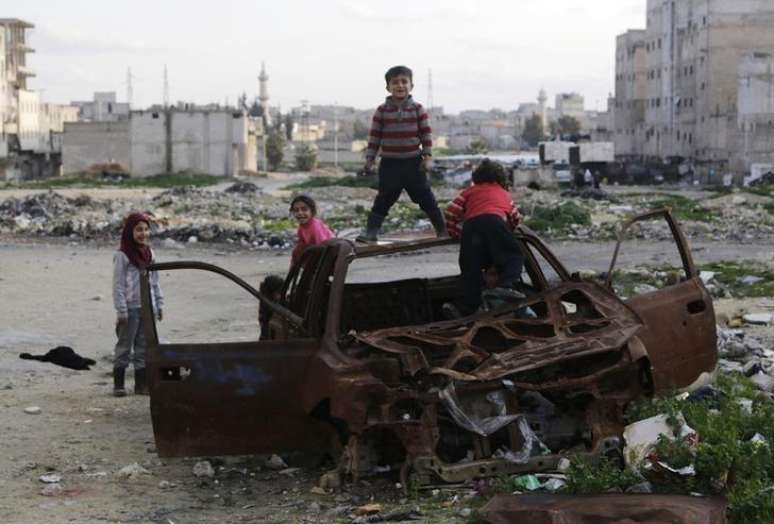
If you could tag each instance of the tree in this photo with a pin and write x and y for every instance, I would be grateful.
(478, 146)
(275, 145)
(306, 157)
(360, 130)
(289, 127)
(568, 125)
(533, 130)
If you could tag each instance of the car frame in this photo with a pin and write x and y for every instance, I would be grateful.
(372, 375)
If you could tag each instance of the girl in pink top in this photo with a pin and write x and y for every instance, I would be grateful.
(311, 230)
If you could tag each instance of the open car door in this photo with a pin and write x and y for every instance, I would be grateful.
(231, 397)
(679, 330)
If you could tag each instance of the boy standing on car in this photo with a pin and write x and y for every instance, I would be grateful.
(401, 130)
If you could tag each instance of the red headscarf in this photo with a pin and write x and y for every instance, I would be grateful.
(137, 254)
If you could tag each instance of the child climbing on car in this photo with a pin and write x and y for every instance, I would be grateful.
(487, 215)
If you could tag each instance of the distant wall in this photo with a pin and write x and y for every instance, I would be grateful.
(213, 143)
(87, 143)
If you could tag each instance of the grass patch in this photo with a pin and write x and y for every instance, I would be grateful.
(91, 181)
(278, 225)
(684, 208)
(589, 477)
(558, 218)
(727, 276)
(328, 181)
(729, 273)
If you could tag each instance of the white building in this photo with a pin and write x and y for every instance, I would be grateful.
(30, 130)
(103, 108)
(214, 142)
(570, 104)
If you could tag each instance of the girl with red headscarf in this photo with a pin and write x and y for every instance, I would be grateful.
(133, 256)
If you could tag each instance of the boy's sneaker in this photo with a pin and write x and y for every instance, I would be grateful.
(367, 237)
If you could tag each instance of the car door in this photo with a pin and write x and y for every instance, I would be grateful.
(231, 397)
(679, 330)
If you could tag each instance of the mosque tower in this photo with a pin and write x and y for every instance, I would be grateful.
(263, 96)
(542, 99)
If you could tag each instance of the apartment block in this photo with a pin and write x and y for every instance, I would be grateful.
(677, 81)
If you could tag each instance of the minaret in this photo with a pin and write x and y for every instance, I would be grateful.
(263, 96)
(542, 99)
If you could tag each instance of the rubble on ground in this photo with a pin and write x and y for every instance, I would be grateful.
(243, 214)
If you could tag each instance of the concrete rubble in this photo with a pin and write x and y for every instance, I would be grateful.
(243, 214)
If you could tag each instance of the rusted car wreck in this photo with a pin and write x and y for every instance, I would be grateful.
(373, 373)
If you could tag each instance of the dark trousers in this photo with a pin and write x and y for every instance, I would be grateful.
(397, 174)
(486, 241)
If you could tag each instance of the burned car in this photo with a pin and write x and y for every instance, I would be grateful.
(372, 372)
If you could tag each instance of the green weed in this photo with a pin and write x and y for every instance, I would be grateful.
(558, 219)
(92, 181)
(725, 459)
(327, 181)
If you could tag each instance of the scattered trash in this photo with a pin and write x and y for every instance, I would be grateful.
(641, 437)
(525, 483)
(32, 410)
(275, 462)
(392, 516)
(203, 469)
(132, 471)
(749, 280)
(759, 318)
(763, 381)
(51, 478)
(368, 509)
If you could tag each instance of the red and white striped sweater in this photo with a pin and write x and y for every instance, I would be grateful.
(401, 130)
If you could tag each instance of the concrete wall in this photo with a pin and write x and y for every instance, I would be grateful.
(211, 142)
(87, 143)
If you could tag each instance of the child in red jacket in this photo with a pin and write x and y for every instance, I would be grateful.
(488, 217)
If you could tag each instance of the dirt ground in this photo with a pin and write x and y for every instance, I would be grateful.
(58, 293)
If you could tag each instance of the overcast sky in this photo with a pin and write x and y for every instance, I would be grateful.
(483, 53)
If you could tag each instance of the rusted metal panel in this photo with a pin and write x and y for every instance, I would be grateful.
(639, 509)
(236, 398)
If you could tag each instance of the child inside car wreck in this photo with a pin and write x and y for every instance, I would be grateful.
(488, 216)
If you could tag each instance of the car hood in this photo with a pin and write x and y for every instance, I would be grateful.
(573, 332)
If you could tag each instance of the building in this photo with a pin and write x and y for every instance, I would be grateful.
(630, 94)
(86, 145)
(103, 108)
(30, 129)
(755, 112)
(194, 140)
(14, 96)
(570, 104)
(694, 53)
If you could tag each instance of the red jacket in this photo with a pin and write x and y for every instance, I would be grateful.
(488, 198)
